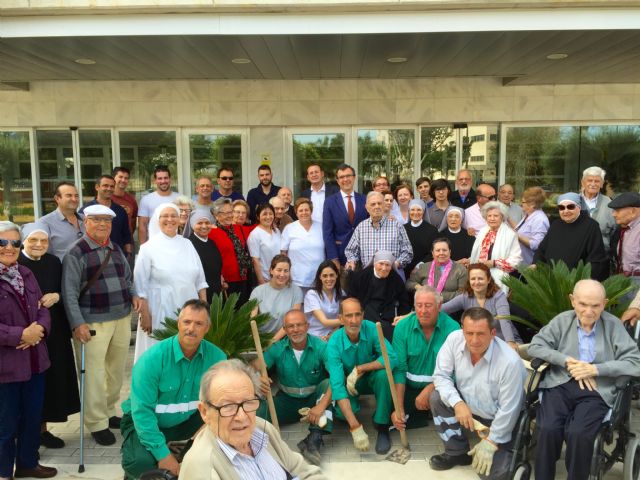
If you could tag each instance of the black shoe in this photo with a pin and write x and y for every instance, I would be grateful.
(114, 422)
(310, 447)
(444, 461)
(383, 442)
(49, 440)
(104, 437)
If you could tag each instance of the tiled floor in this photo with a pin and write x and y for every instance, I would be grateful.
(341, 459)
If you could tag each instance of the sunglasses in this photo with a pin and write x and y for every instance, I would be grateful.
(490, 197)
(226, 178)
(571, 206)
(14, 243)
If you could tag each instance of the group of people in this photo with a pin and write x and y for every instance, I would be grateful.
(325, 267)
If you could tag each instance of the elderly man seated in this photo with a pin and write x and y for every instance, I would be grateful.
(298, 363)
(587, 349)
(479, 380)
(233, 445)
(355, 365)
(164, 392)
(417, 340)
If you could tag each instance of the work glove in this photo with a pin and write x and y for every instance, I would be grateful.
(482, 455)
(360, 438)
(351, 382)
(304, 412)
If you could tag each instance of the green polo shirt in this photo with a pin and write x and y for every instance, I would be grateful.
(298, 379)
(343, 356)
(416, 355)
(164, 389)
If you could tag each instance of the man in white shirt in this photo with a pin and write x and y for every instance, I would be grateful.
(506, 194)
(148, 203)
(473, 219)
(478, 377)
(318, 191)
(204, 188)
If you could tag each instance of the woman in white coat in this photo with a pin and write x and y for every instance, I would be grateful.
(168, 272)
(497, 244)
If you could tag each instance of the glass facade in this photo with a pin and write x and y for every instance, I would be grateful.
(438, 152)
(96, 158)
(208, 152)
(16, 186)
(54, 150)
(385, 152)
(326, 149)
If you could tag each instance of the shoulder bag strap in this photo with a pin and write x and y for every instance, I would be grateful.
(96, 275)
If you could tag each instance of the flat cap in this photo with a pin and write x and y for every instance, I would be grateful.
(98, 209)
(626, 199)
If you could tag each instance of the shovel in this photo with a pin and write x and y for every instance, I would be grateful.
(401, 455)
(263, 372)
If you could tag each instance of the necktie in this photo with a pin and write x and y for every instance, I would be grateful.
(623, 230)
(351, 213)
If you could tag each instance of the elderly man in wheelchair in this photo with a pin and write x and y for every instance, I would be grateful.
(587, 349)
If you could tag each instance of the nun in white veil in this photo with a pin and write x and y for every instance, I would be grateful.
(168, 272)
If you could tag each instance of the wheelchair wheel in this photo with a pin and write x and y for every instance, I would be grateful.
(632, 460)
(523, 472)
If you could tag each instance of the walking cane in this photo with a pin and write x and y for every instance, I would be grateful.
(401, 455)
(82, 373)
(263, 372)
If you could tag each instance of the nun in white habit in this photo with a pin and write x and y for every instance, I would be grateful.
(168, 272)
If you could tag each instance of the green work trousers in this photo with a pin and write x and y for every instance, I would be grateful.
(375, 383)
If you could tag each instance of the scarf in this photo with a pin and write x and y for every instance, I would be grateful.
(443, 278)
(487, 242)
(244, 261)
(12, 276)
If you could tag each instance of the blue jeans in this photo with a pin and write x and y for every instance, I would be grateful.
(20, 416)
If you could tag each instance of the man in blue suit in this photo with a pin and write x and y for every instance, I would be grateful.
(343, 211)
(318, 190)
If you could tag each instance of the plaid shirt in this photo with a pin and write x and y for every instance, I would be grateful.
(109, 298)
(389, 235)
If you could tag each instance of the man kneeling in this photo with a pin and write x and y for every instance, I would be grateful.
(478, 377)
(163, 404)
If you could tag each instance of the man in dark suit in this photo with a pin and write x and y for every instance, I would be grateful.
(263, 192)
(464, 196)
(318, 191)
(343, 211)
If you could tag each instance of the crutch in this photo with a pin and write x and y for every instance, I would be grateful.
(82, 373)
(263, 372)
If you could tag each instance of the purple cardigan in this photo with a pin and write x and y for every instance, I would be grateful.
(15, 365)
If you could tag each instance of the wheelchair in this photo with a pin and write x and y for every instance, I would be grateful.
(615, 442)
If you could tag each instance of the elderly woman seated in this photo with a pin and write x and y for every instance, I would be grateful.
(381, 291)
(234, 443)
(573, 237)
(497, 244)
(443, 274)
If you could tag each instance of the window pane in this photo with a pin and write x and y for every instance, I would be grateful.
(480, 152)
(386, 152)
(15, 177)
(546, 157)
(55, 163)
(95, 159)
(438, 152)
(325, 149)
(141, 152)
(208, 152)
(616, 149)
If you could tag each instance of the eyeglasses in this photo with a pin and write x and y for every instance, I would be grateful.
(226, 178)
(14, 243)
(571, 206)
(231, 409)
(185, 210)
(228, 212)
(490, 197)
(100, 219)
(342, 177)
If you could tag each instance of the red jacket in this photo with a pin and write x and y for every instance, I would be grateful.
(230, 268)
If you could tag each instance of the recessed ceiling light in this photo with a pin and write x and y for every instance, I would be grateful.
(85, 61)
(240, 61)
(557, 56)
(397, 59)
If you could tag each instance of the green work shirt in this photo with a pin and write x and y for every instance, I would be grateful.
(343, 356)
(416, 355)
(164, 389)
(298, 379)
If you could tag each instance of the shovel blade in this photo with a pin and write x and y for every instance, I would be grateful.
(400, 456)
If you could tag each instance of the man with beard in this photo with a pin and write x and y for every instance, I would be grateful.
(263, 192)
(148, 203)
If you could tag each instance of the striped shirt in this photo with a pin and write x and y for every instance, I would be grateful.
(260, 466)
(367, 239)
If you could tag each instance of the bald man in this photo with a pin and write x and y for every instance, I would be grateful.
(588, 349)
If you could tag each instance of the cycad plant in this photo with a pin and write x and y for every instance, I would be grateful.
(230, 327)
(544, 291)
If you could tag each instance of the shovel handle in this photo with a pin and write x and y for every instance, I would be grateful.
(263, 373)
(392, 385)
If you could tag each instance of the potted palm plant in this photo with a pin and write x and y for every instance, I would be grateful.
(544, 291)
(230, 328)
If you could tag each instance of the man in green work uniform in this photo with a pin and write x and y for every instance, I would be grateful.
(298, 361)
(356, 366)
(163, 404)
(417, 340)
